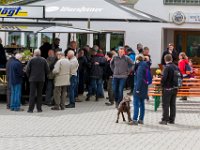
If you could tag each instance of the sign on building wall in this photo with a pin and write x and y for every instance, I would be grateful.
(21, 12)
(180, 17)
(194, 18)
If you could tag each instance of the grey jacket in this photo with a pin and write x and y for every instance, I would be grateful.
(121, 67)
(37, 69)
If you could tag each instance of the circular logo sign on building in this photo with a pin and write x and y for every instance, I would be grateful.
(179, 17)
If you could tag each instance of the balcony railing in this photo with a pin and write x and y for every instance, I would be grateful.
(182, 2)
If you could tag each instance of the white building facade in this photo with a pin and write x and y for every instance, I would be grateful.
(180, 26)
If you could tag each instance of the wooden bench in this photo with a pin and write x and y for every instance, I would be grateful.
(190, 88)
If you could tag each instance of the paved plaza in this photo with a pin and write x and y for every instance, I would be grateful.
(91, 126)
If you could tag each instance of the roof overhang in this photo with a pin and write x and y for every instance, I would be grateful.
(93, 10)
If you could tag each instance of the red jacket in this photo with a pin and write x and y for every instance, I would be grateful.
(181, 65)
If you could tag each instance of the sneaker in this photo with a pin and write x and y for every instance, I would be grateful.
(140, 122)
(109, 104)
(69, 106)
(163, 122)
(134, 122)
(97, 99)
(171, 122)
(87, 99)
(19, 109)
(55, 108)
(39, 111)
(62, 108)
(29, 111)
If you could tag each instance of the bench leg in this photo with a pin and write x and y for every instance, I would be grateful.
(156, 102)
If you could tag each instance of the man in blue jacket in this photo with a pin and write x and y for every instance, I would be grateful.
(15, 81)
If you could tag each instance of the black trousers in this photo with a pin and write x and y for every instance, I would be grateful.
(35, 96)
(169, 102)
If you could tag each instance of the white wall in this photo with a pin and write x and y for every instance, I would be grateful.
(149, 34)
(158, 9)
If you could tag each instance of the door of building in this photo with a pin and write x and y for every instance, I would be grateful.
(188, 42)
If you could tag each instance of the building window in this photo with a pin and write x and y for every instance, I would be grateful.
(182, 2)
(81, 40)
(14, 38)
(117, 39)
(100, 40)
(47, 37)
(30, 40)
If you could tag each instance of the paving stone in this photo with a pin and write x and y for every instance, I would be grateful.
(91, 126)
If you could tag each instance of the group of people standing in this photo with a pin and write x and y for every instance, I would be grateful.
(57, 73)
(37, 69)
(74, 71)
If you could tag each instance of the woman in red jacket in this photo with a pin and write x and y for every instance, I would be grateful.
(183, 61)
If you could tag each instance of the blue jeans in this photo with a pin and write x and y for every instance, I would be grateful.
(96, 86)
(118, 88)
(15, 97)
(139, 105)
(73, 89)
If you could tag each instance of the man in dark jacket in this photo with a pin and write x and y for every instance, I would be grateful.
(51, 60)
(15, 82)
(8, 93)
(37, 69)
(130, 79)
(44, 49)
(97, 65)
(82, 60)
(169, 92)
(173, 52)
(88, 57)
(55, 45)
(109, 77)
(3, 59)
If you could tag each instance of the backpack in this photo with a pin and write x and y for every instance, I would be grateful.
(148, 76)
(178, 78)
